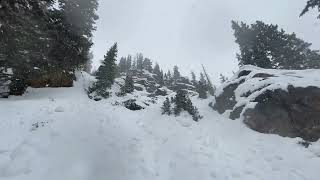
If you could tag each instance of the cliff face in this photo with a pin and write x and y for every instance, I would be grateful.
(274, 101)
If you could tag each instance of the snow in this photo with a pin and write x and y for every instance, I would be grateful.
(97, 140)
(281, 79)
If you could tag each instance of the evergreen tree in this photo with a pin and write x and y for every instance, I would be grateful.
(156, 69)
(158, 74)
(166, 107)
(134, 65)
(122, 65)
(266, 46)
(223, 78)
(105, 75)
(139, 59)
(202, 87)
(147, 64)
(193, 79)
(176, 73)
(128, 85)
(210, 86)
(129, 63)
(73, 25)
(183, 102)
(311, 4)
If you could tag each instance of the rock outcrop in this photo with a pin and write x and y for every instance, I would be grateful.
(274, 101)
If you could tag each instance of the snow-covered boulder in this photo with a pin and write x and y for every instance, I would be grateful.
(284, 102)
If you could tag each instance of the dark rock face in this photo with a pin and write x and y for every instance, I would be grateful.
(244, 73)
(295, 113)
(226, 101)
(160, 92)
(132, 105)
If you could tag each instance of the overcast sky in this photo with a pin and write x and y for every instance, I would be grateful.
(189, 33)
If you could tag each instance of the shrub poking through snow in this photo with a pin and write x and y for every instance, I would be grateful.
(183, 102)
(166, 107)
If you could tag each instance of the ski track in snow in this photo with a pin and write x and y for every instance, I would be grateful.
(80, 139)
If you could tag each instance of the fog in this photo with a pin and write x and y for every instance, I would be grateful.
(189, 33)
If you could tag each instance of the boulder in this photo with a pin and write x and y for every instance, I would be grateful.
(132, 105)
(280, 102)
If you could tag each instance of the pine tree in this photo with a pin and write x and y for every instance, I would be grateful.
(193, 79)
(264, 45)
(128, 85)
(24, 39)
(180, 102)
(183, 102)
(134, 65)
(105, 75)
(311, 4)
(129, 63)
(139, 59)
(176, 73)
(166, 107)
(147, 64)
(158, 74)
(210, 86)
(202, 87)
(169, 80)
(122, 65)
(223, 78)
(73, 25)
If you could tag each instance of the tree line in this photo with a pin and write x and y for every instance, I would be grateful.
(139, 66)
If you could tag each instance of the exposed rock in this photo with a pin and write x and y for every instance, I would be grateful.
(274, 101)
(227, 100)
(50, 79)
(160, 92)
(292, 113)
(132, 105)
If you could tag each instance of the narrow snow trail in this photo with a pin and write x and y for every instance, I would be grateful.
(79, 139)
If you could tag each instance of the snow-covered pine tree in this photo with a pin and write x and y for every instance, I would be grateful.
(129, 63)
(193, 79)
(211, 88)
(139, 59)
(176, 74)
(105, 75)
(202, 87)
(192, 110)
(147, 64)
(183, 102)
(223, 79)
(122, 66)
(158, 74)
(180, 102)
(166, 107)
(128, 86)
(23, 39)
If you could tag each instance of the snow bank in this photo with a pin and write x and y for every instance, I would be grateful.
(97, 140)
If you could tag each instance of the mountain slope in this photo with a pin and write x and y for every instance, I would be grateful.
(61, 134)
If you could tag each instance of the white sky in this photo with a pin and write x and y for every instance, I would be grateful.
(189, 33)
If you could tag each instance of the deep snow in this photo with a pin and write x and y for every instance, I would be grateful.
(60, 134)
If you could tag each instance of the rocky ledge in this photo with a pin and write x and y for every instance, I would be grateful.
(283, 102)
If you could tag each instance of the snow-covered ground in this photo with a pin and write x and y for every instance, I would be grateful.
(60, 134)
